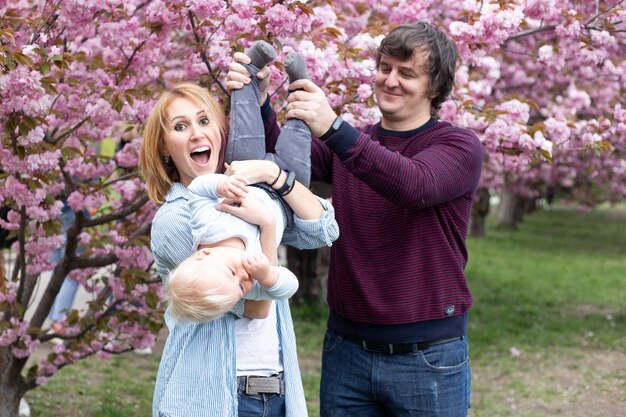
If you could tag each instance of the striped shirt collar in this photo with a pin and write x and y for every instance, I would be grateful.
(176, 191)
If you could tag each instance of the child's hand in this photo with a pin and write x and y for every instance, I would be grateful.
(259, 268)
(253, 170)
(232, 187)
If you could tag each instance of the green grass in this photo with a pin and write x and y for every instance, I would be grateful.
(553, 282)
(116, 387)
(554, 289)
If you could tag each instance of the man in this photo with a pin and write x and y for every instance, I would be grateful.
(403, 190)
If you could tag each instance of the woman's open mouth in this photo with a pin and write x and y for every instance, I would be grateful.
(201, 155)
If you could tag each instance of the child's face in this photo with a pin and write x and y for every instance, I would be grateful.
(225, 264)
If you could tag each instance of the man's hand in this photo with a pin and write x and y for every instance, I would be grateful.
(238, 76)
(308, 103)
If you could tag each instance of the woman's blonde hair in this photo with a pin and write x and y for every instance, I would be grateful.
(159, 174)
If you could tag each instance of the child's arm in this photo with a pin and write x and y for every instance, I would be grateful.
(215, 186)
(272, 282)
(285, 287)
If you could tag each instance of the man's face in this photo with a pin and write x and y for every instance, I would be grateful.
(401, 91)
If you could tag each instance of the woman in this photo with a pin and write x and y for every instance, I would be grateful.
(184, 138)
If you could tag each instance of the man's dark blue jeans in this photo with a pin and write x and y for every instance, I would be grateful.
(433, 382)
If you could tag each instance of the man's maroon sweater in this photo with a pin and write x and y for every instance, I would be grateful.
(403, 201)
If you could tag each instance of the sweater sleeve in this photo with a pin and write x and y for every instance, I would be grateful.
(447, 168)
(270, 125)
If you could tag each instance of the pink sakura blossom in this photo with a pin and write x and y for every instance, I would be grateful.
(128, 157)
(8, 292)
(116, 239)
(139, 256)
(80, 202)
(21, 91)
(558, 131)
(206, 9)
(284, 21)
(42, 162)
(570, 29)
(28, 347)
(515, 110)
(542, 143)
(541, 9)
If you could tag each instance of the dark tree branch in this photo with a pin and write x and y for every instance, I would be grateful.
(205, 59)
(600, 13)
(128, 209)
(69, 131)
(23, 292)
(529, 32)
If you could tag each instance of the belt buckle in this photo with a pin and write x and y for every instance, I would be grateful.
(249, 389)
(264, 385)
(389, 347)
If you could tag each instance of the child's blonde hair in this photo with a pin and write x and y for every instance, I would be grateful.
(191, 297)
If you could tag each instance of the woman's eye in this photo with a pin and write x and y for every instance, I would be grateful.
(179, 127)
(241, 287)
(204, 121)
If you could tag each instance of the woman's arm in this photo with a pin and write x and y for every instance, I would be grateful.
(315, 225)
(301, 200)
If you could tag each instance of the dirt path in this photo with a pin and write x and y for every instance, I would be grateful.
(585, 383)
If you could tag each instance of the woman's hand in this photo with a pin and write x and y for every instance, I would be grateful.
(250, 208)
(253, 170)
(238, 76)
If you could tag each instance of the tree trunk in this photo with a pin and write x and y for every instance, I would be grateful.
(9, 398)
(507, 212)
(479, 213)
(530, 205)
(11, 385)
(311, 268)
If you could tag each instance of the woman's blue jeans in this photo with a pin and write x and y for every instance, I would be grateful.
(260, 405)
(434, 382)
